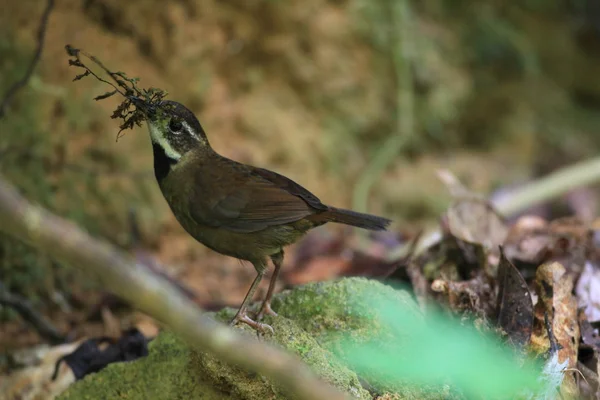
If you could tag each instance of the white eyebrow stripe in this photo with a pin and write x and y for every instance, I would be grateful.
(189, 130)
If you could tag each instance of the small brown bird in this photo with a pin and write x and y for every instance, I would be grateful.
(235, 209)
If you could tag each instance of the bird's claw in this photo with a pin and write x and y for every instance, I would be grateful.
(265, 309)
(258, 326)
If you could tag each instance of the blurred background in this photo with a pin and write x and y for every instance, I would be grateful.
(361, 101)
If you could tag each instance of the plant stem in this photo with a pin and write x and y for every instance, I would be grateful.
(557, 183)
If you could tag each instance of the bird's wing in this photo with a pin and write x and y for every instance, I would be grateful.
(242, 198)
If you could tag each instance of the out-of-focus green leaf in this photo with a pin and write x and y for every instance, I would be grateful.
(437, 350)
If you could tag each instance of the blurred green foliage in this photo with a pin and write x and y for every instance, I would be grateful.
(437, 350)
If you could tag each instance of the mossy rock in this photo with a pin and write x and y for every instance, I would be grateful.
(332, 310)
(310, 319)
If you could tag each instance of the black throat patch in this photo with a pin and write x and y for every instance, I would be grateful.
(162, 163)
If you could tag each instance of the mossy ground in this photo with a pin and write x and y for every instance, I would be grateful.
(311, 318)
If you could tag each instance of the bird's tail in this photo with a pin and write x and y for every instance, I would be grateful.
(360, 220)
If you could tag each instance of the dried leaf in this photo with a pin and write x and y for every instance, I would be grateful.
(476, 221)
(515, 306)
(554, 286)
(556, 302)
(477, 230)
(564, 240)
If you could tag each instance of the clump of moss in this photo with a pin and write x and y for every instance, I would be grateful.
(331, 312)
(173, 370)
(311, 320)
(168, 372)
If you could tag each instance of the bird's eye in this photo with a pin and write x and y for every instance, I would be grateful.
(175, 126)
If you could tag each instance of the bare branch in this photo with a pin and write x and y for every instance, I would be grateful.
(151, 294)
(36, 58)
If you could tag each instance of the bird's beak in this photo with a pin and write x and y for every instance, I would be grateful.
(148, 109)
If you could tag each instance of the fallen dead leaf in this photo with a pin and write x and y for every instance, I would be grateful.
(554, 286)
(476, 221)
(515, 306)
(556, 302)
(565, 240)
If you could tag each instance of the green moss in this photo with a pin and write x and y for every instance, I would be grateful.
(332, 311)
(323, 308)
(166, 373)
(174, 371)
(292, 338)
(311, 320)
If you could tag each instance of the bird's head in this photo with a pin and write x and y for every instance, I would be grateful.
(173, 127)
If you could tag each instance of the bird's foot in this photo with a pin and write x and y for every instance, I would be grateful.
(258, 326)
(265, 309)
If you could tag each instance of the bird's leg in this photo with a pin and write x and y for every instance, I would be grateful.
(241, 315)
(266, 305)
